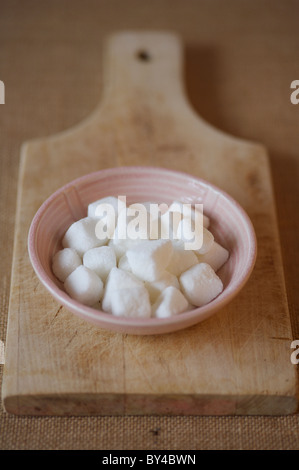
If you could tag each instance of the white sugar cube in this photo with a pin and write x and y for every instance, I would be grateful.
(95, 209)
(200, 284)
(65, 262)
(84, 285)
(155, 288)
(131, 302)
(118, 279)
(100, 260)
(81, 236)
(170, 302)
(215, 257)
(149, 259)
(207, 242)
(181, 259)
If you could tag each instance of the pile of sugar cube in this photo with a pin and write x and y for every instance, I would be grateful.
(142, 277)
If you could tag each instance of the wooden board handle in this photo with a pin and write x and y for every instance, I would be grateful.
(143, 67)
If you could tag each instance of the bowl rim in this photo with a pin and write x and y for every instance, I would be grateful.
(133, 324)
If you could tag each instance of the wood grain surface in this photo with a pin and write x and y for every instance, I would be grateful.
(240, 58)
(237, 362)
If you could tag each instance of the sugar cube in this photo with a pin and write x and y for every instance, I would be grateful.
(215, 257)
(65, 262)
(100, 260)
(200, 284)
(149, 258)
(81, 236)
(84, 285)
(118, 279)
(131, 302)
(170, 302)
(207, 242)
(181, 259)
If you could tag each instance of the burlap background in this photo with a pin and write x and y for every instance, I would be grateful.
(240, 60)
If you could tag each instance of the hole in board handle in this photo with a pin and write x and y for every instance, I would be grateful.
(143, 55)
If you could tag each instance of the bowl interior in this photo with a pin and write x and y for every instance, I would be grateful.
(230, 226)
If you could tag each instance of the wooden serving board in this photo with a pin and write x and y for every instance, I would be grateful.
(238, 361)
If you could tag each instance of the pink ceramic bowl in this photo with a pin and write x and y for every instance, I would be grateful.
(229, 223)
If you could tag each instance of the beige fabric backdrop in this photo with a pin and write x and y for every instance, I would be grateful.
(241, 58)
